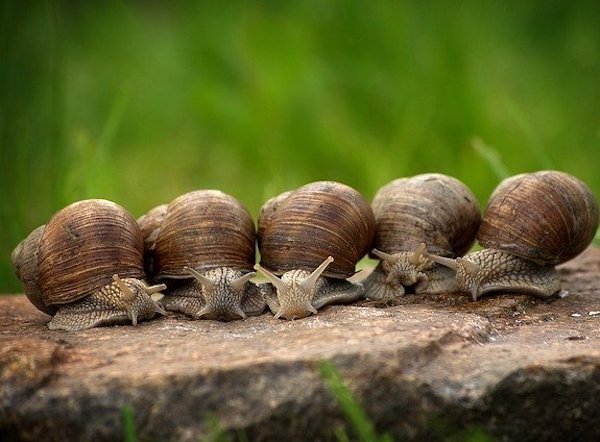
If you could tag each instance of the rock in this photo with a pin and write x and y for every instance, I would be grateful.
(430, 367)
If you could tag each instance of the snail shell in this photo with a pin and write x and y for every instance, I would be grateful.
(317, 220)
(436, 210)
(204, 229)
(25, 262)
(547, 217)
(532, 222)
(67, 263)
(323, 227)
(207, 237)
(268, 211)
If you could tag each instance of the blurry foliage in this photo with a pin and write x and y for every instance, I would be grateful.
(139, 102)
(356, 416)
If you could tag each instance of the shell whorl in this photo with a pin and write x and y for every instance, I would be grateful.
(25, 263)
(204, 229)
(431, 208)
(268, 211)
(318, 220)
(548, 217)
(83, 246)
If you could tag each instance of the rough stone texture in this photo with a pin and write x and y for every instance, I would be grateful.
(431, 367)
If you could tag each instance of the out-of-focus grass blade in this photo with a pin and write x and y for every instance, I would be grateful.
(359, 420)
(113, 121)
(128, 424)
(216, 433)
(492, 157)
(535, 145)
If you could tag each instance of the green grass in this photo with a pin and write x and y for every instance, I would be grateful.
(141, 102)
(129, 432)
(357, 418)
(362, 426)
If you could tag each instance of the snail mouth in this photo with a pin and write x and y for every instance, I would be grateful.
(295, 312)
(220, 313)
(409, 280)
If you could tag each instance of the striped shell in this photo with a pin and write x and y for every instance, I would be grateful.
(548, 217)
(77, 253)
(25, 262)
(203, 229)
(431, 208)
(321, 219)
(268, 211)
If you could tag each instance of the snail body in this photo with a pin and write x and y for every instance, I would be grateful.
(532, 223)
(310, 241)
(203, 245)
(85, 268)
(425, 213)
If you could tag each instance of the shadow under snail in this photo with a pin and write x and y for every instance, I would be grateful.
(85, 268)
(532, 223)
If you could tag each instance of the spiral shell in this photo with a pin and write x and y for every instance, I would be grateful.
(431, 208)
(268, 211)
(25, 262)
(547, 217)
(203, 229)
(317, 220)
(77, 252)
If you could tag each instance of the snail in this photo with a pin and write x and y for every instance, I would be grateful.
(85, 268)
(532, 223)
(425, 213)
(310, 241)
(206, 240)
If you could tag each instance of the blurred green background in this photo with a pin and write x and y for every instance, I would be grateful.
(139, 102)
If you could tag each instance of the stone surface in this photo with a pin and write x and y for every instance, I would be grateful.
(430, 367)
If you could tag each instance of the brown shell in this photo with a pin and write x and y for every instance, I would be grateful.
(25, 262)
(315, 221)
(267, 211)
(436, 209)
(83, 245)
(548, 217)
(204, 229)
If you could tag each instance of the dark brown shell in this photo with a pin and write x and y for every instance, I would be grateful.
(267, 211)
(436, 209)
(25, 262)
(313, 222)
(83, 245)
(548, 217)
(204, 229)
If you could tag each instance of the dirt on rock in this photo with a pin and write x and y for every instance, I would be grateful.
(429, 367)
